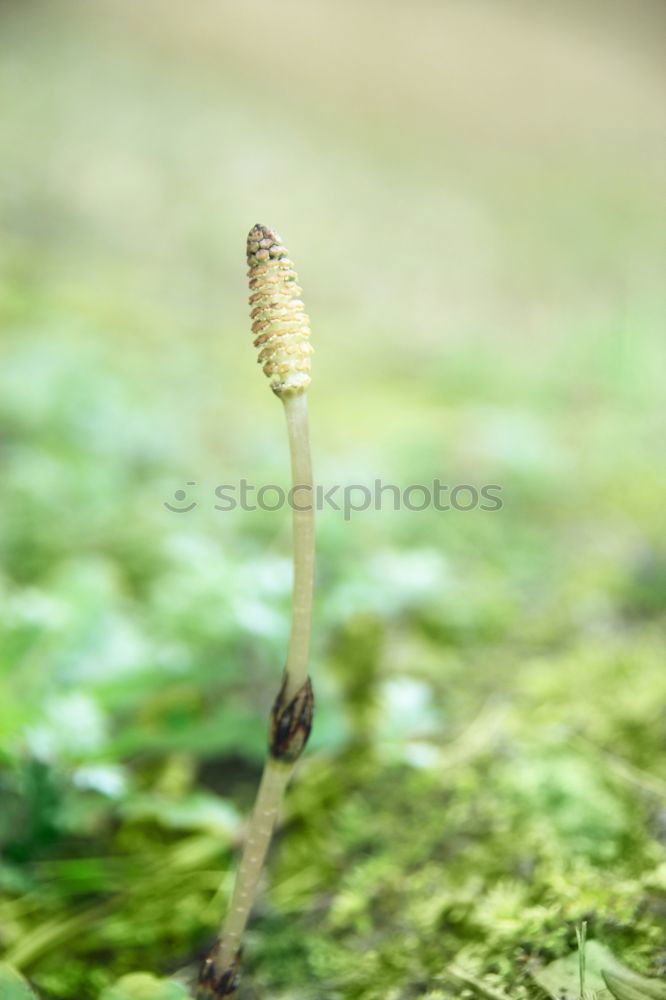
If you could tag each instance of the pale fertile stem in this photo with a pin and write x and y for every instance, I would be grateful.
(269, 798)
(298, 656)
(276, 773)
(281, 333)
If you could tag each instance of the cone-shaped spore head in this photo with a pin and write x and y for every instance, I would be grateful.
(279, 322)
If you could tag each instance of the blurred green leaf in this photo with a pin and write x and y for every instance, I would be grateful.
(605, 978)
(144, 986)
(12, 985)
(633, 987)
(198, 811)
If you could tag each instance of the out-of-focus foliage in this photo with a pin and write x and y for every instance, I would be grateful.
(474, 202)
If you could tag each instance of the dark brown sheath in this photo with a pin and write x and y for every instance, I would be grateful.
(291, 722)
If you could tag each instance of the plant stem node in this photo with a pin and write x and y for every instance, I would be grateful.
(291, 722)
(214, 984)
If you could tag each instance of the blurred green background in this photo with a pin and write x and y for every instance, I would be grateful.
(473, 194)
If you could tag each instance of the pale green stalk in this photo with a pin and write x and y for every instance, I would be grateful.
(298, 656)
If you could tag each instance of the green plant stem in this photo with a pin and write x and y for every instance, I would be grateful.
(260, 831)
(298, 656)
(278, 771)
(581, 937)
